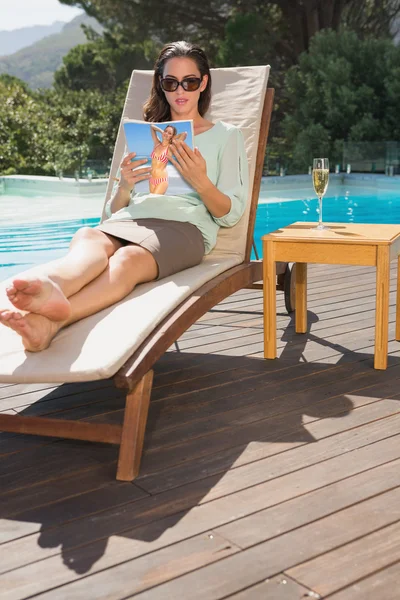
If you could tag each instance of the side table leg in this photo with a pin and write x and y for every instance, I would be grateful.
(398, 302)
(269, 289)
(382, 307)
(301, 297)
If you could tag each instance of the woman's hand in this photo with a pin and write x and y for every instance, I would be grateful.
(190, 164)
(131, 174)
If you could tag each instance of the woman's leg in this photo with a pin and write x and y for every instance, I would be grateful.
(45, 289)
(87, 257)
(129, 266)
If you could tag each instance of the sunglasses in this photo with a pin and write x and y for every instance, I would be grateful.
(189, 84)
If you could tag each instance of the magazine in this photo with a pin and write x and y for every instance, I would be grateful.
(151, 141)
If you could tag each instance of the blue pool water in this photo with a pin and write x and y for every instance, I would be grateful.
(25, 245)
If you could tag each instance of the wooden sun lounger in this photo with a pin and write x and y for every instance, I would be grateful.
(136, 375)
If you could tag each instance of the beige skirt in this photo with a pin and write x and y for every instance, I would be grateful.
(174, 245)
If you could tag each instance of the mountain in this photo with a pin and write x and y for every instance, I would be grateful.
(37, 63)
(12, 41)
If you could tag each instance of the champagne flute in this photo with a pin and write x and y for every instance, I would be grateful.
(320, 175)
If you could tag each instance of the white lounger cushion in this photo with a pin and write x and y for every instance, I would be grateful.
(96, 347)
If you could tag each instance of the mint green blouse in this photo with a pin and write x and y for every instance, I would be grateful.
(223, 149)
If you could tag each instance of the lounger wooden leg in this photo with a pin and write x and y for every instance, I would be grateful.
(132, 438)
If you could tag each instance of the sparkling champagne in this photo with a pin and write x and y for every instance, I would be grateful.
(320, 181)
(320, 175)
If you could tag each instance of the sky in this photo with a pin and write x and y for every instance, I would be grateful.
(15, 14)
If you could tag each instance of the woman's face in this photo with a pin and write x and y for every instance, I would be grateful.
(183, 103)
(168, 134)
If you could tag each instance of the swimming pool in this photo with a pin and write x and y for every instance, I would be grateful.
(23, 246)
(36, 228)
(39, 215)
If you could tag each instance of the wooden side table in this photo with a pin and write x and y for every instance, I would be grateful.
(341, 244)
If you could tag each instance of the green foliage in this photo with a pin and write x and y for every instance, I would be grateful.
(84, 124)
(207, 22)
(47, 132)
(23, 129)
(139, 20)
(240, 33)
(344, 88)
(243, 33)
(104, 64)
(376, 18)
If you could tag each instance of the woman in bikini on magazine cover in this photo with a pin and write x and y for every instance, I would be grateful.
(145, 237)
(158, 183)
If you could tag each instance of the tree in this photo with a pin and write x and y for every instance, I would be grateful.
(140, 20)
(48, 132)
(24, 129)
(206, 22)
(378, 18)
(240, 35)
(84, 125)
(343, 89)
(104, 63)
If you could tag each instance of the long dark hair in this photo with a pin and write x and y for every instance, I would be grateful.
(157, 108)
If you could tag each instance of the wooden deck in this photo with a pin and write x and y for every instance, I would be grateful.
(272, 480)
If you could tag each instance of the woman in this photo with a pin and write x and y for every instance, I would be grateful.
(158, 183)
(145, 236)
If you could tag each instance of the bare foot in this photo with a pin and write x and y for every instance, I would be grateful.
(36, 331)
(40, 296)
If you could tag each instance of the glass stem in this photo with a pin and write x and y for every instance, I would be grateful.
(320, 210)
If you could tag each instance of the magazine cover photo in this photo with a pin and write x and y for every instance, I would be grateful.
(152, 141)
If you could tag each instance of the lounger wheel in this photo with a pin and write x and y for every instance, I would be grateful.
(289, 287)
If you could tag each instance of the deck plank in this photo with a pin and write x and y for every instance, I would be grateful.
(280, 587)
(383, 584)
(353, 561)
(234, 457)
(146, 572)
(265, 560)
